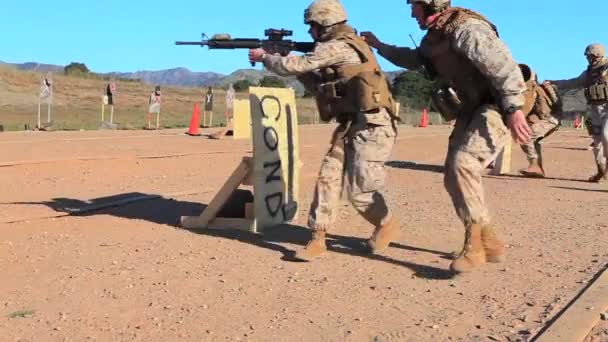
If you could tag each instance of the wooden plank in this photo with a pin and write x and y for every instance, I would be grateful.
(276, 167)
(242, 119)
(249, 211)
(503, 161)
(218, 201)
(582, 315)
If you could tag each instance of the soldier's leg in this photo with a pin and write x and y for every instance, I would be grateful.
(540, 130)
(471, 147)
(328, 190)
(370, 147)
(598, 128)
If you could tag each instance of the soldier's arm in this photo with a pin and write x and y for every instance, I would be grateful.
(324, 55)
(576, 82)
(400, 56)
(479, 43)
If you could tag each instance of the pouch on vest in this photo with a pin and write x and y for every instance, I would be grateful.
(598, 92)
(446, 103)
(366, 91)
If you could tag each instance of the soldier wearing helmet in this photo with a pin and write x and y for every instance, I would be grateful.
(595, 82)
(349, 86)
(542, 104)
(480, 85)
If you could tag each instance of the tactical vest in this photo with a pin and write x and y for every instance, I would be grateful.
(454, 72)
(355, 88)
(596, 83)
(541, 101)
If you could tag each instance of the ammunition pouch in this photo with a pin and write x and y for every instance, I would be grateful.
(597, 93)
(446, 103)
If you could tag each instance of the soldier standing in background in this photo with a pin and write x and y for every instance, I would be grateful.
(480, 85)
(542, 103)
(595, 82)
(343, 75)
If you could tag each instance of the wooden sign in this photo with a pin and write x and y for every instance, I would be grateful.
(276, 169)
(241, 119)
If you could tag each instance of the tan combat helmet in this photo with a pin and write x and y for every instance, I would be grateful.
(325, 13)
(435, 5)
(596, 50)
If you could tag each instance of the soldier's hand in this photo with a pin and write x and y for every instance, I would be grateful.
(255, 55)
(371, 39)
(520, 130)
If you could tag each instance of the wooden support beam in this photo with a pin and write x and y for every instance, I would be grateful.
(582, 315)
(216, 204)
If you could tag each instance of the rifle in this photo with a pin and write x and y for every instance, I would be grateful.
(274, 44)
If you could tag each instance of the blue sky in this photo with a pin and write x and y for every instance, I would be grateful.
(132, 35)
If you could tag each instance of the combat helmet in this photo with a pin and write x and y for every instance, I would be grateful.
(596, 50)
(434, 5)
(325, 13)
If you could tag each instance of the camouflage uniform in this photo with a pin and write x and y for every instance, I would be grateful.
(359, 148)
(479, 135)
(540, 130)
(542, 102)
(462, 51)
(599, 110)
(343, 75)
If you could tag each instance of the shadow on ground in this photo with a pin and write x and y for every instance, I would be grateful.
(521, 177)
(579, 189)
(166, 211)
(408, 165)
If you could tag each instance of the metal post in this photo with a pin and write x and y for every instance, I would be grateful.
(39, 124)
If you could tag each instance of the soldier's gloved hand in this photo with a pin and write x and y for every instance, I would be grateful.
(519, 127)
(256, 55)
(371, 39)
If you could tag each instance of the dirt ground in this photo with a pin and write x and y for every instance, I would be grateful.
(130, 274)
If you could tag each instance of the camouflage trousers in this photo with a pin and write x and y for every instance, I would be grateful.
(474, 143)
(599, 130)
(354, 165)
(540, 130)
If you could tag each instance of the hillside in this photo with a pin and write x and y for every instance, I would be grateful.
(77, 102)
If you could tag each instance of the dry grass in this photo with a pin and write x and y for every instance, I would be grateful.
(77, 103)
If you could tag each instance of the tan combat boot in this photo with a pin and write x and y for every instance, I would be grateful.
(383, 236)
(534, 170)
(493, 247)
(473, 254)
(315, 247)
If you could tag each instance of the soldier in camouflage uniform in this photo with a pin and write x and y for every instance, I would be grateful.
(480, 85)
(595, 82)
(343, 75)
(541, 104)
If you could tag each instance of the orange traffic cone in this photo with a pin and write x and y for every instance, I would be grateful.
(194, 121)
(424, 120)
(577, 122)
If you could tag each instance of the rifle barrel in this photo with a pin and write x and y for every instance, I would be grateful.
(191, 43)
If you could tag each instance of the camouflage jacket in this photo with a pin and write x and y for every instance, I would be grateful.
(478, 43)
(326, 54)
(577, 82)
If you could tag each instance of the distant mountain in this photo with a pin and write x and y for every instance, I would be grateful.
(38, 67)
(180, 76)
(175, 77)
